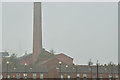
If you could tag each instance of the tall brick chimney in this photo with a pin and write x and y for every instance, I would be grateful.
(37, 30)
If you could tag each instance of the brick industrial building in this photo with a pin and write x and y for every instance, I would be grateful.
(51, 67)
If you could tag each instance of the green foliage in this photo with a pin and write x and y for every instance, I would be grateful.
(12, 60)
(90, 62)
(52, 51)
(111, 63)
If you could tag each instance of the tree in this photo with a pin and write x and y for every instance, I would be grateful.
(90, 63)
(12, 59)
(52, 51)
(111, 63)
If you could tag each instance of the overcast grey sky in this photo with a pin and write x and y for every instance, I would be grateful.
(80, 30)
(1, 26)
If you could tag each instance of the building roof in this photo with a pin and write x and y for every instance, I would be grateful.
(86, 69)
(21, 69)
(25, 56)
(61, 54)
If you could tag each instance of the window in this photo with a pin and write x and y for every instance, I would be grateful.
(101, 77)
(25, 76)
(8, 76)
(78, 75)
(94, 76)
(61, 76)
(110, 77)
(84, 76)
(68, 76)
(18, 76)
(34, 76)
(116, 76)
(1, 76)
(41, 76)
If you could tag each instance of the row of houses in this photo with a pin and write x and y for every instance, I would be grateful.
(66, 71)
(51, 68)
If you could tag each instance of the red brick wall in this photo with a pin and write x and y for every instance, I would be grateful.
(65, 59)
(53, 74)
(51, 63)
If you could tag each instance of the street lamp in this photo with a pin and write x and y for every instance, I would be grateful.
(66, 66)
(30, 72)
(112, 65)
(90, 68)
(76, 68)
(105, 66)
(14, 68)
(60, 62)
(25, 70)
(97, 70)
(60, 68)
(67, 72)
(7, 67)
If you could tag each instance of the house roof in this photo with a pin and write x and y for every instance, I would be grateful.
(86, 69)
(22, 68)
(61, 54)
(25, 56)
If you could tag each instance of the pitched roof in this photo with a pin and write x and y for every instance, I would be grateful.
(61, 54)
(25, 56)
(21, 69)
(86, 69)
